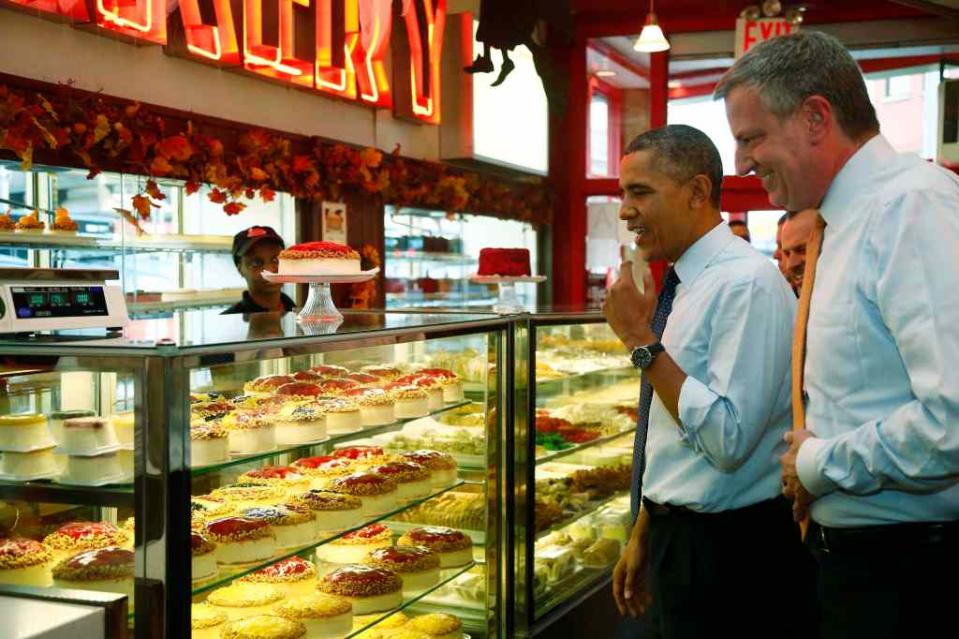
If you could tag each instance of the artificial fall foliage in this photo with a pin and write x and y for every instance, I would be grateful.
(91, 130)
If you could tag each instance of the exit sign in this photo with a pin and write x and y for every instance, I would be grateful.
(749, 33)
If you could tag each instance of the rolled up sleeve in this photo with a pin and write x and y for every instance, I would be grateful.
(724, 415)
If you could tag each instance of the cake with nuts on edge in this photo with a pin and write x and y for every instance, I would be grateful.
(368, 588)
(107, 569)
(327, 258)
(25, 562)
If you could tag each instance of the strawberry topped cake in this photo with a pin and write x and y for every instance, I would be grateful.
(369, 589)
(354, 547)
(312, 258)
(293, 576)
(454, 547)
(85, 535)
(105, 569)
(24, 562)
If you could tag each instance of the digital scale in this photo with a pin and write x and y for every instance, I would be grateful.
(48, 299)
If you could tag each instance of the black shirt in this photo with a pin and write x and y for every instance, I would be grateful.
(247, 305)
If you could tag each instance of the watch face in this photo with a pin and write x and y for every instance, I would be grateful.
(641, 357)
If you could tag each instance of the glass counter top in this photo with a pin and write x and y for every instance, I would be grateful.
(196, 331)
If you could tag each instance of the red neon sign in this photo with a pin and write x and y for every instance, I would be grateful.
(213, 42)
(348, 58)
(138, 19)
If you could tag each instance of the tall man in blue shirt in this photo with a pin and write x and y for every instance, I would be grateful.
(877, 464)
(713, 533)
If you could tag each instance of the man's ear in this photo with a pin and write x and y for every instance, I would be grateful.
(817, 117)
(701, 189)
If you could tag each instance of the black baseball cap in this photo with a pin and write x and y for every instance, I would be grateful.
(244, 240)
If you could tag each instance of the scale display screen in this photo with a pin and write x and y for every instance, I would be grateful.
(58, 301)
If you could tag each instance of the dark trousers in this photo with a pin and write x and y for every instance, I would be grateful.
(887, 582)
(741, 573)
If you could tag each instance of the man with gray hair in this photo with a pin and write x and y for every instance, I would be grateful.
(875, 453)
(712, 535)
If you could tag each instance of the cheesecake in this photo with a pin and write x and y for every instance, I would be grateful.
(378, 493)
(355, 547)
(299, 424)
(239, 599)
(342, 415)
(240, 540)
(263, 627)
(203, 558)
(324, 616)
(333, 511)
(293, 576)
(442, 466)
(412, 479)
(209, 444)
(437, 625)
(454, 548)
(206, 621)
(88, 435)
(293, 525)
(418, 567)
(410, 402)
(377, 407)
(368, 588)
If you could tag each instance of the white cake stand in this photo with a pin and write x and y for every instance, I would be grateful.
(507, 302)
(319, 305)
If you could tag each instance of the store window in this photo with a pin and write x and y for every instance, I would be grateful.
(599, 135)
(431, 254)
(183, 259)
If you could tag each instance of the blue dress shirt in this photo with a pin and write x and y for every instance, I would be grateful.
(730, 331)
(882, 363)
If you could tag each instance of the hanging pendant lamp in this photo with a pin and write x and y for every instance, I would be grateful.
(651, 39)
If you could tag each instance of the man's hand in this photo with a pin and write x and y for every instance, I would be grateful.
(630, 312)
(792, 487)
(631, 579)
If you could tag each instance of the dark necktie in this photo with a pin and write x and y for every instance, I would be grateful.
(663, 307)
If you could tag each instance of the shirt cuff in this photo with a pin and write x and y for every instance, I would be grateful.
(809, 475)
(695, 400)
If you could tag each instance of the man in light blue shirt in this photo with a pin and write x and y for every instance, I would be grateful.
(713, 533)
(877, 465)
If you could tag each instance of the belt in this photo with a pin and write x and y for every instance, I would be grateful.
(669, 510)
(885, 537)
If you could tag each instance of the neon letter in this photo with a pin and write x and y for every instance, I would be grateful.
(138, 19)
(425, 56)
(213, 42)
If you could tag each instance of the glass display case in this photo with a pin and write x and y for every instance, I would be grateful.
(270, 458)
(572, 444)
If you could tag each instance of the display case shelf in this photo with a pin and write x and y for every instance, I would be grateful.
(577, 448)
(623, 371)
(228, 574)
(591, 507)
(446, 576)
(334, 439)
(145, 243)
(119, 496)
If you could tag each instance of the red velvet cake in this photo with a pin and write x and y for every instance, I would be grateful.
(504, 262)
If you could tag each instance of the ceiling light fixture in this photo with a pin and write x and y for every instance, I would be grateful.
(652, 39)
(605, 73)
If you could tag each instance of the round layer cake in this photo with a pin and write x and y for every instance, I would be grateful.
(387, 373)
(293, 576)
(324, 616)
(84, 435)
(248, 495)
(241, 541)
(334, 511)
(437, 625)
(240, 599)
(85, 535)
(450, 382)
(206, 621)
(354, 547)
(412, 479)
(410, 401)
(92, 469)
(342, 415)
(368, 588)
(24, 432)
(286, 478)
(209, 444)
(323, 469)
(263, 627)
(105, 569)
(319, 258)
(377, 407)
(25, 562)
(442, 466)
(455, 548)
(293, 525)
(250, 434)
(299, 424)
(424, 382)
(330, 371)
(378, 493)
(203, 553)
(418, 567)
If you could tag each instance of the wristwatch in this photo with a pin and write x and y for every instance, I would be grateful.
(643, 356)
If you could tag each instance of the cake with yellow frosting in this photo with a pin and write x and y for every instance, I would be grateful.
(240, 599)
(324, 616)
(206, 621)
(263, 627)
(437, 625)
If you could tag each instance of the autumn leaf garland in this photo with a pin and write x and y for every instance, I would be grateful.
(97, 131)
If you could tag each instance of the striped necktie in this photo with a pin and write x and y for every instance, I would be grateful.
(663, 307)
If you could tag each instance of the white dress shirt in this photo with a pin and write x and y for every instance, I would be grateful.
(730, 330)
(882, 364)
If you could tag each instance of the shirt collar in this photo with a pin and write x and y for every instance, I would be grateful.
(698, 256)
(870, 160)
